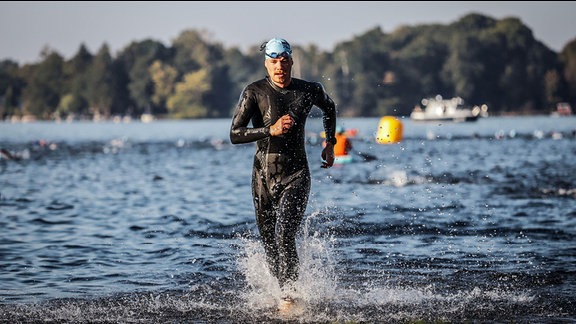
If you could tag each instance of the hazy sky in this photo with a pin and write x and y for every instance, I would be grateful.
(26, 27)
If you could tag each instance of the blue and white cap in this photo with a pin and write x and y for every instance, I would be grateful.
(277, 47)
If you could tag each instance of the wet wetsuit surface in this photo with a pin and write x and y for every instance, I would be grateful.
(281, 175)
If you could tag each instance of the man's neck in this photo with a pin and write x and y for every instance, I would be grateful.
(281, 85)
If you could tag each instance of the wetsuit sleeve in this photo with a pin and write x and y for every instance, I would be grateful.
(246, 110)
(328, 107)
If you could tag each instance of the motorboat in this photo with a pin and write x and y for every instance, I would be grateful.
(439, 109)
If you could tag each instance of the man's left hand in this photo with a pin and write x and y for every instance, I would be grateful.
(328, 156)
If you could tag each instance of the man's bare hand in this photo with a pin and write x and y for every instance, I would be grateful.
(282, 125)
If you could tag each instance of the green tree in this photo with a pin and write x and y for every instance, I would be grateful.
(100, 84)
(75, 88)
(136, 60)
(568, 60)
(11, 85)
(418, 55)
(41, 96)
(245, 69)
(364, 62)
(552, 86)
(164, 79)
(193, 52)
(70, 105)
(479, 58)
(187, 100)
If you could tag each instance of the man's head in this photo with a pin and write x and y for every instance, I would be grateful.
(276, 48)
(278, 61)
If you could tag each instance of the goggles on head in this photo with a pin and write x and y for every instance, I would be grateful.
(278, 55)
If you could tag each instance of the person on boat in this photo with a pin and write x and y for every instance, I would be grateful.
(277, 107)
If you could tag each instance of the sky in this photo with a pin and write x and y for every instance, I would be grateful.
(27, 27)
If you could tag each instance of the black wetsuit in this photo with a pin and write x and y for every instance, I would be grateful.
(281, 175)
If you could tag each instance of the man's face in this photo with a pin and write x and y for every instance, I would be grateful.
(280, 70)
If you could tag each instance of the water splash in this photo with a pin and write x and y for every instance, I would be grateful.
(376, 296)
(317, 280)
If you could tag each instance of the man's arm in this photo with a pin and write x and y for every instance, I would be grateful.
(328, 107)
(245, 110)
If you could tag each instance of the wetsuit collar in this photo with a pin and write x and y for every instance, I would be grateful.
(277, 88)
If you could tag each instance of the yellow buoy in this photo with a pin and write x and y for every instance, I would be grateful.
(389, 130)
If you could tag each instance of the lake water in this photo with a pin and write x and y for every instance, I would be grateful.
(153, 222)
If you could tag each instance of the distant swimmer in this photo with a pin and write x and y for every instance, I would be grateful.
(277, 107)
(6, 155)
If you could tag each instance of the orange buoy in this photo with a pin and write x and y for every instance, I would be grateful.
(389, 130)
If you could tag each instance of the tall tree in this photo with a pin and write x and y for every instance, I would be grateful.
(41, 96)
(101, 91)
(164, 78)
(75, 88)
(187, 100)
(136, 59)
(194, 52)
(11, 85)
(568, 59)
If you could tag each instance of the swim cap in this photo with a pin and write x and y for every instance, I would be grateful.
(277, 47)
(339, 129)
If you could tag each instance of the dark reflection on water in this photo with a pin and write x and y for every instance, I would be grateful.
(154, 223)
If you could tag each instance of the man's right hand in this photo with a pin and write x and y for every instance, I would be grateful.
(282, 125)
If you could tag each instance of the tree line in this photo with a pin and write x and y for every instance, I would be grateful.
(478, 58)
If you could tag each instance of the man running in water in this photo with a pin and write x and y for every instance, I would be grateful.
(277, 107)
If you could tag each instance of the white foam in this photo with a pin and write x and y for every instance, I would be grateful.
(319, 287)
(317, 278)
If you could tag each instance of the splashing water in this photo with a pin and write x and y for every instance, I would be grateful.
(319, 286)
(317, 281)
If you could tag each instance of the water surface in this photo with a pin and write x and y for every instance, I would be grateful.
(154, 222)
